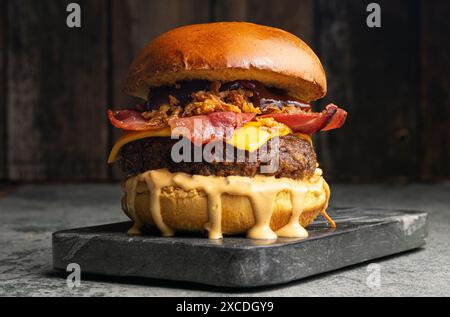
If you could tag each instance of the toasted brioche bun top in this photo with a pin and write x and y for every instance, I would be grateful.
(228, 51)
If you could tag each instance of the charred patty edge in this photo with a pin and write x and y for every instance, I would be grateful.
(296, 159)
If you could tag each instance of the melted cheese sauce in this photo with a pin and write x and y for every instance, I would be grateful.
(261, 190)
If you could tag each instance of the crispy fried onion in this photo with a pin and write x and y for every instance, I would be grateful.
(203, 103)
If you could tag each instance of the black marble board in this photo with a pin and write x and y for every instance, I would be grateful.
(361, 235)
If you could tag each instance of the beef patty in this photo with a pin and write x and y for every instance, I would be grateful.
(296, 159)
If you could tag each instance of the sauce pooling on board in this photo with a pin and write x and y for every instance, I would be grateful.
(261, 190)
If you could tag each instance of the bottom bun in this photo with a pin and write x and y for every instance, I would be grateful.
(186, 209)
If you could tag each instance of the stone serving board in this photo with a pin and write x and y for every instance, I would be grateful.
(361, 235)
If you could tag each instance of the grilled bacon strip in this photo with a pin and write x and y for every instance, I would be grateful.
(205, 128)
(213, 125)
(332, 117)
(131, 120)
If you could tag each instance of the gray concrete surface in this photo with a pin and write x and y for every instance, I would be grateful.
(29, 214)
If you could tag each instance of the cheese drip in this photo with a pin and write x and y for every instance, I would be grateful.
(261, 190)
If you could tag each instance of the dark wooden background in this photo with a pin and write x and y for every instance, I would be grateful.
(56, 82)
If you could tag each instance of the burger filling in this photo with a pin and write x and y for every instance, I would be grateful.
(237, 96)
(233, 113)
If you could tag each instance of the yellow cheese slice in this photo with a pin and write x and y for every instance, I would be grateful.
(133, 136)
(250, 137)
(253, 135)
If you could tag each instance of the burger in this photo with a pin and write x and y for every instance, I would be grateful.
(221, 142)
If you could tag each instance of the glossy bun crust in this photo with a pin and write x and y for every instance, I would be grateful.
(225, 52)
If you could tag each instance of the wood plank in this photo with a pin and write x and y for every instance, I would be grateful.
(373, 73)
(3, 83)
(134, 24)
(435, 90)
(295, 16)
(57, 92)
